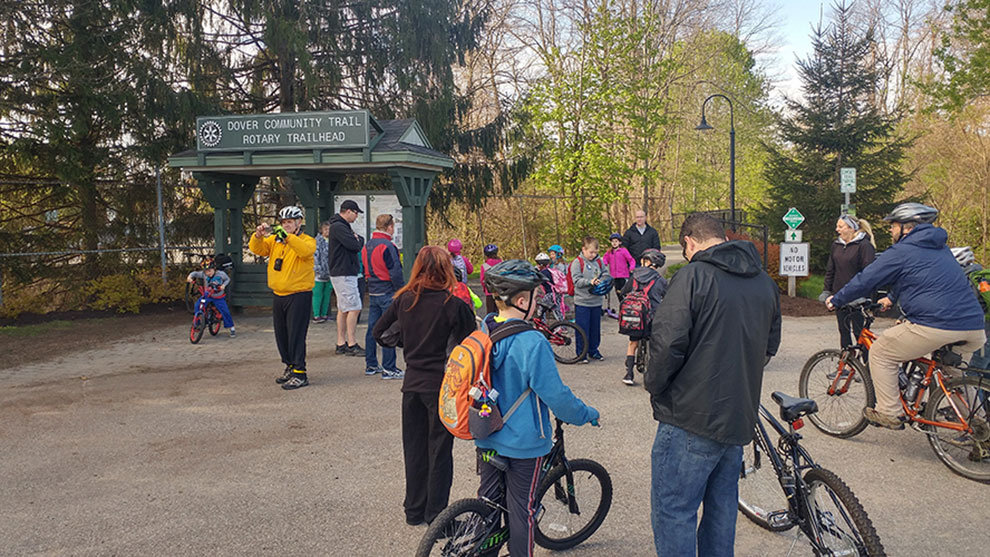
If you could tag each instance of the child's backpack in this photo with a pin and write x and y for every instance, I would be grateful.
(635, 313)
(559, 281)
(981, 282)
(467, 380)
(570, 279)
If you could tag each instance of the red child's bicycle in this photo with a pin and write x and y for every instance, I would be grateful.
(207, 315)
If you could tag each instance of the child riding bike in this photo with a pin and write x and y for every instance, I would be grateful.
(520, 363)
(214, 288)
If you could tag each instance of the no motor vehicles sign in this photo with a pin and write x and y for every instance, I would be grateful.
(794, 259)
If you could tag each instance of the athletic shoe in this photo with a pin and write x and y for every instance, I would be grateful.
(286, 375)
(341, 349)
(233, 334)
(355, 350)
(393, 373)
(583, 360)
(316, 319)
(882, 420)
(298, 380)
(373, 370)
(628, 379)
(597, 356)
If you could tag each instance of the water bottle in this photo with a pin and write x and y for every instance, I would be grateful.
(914, 383)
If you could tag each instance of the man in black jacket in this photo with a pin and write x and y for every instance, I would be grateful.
(712, 335)
(640, 237)
(345, 245)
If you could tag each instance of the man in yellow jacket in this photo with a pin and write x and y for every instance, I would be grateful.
(290, 276)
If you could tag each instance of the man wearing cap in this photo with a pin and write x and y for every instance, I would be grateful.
(640, 237)
(345, 245)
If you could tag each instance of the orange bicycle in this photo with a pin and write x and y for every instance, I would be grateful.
(953, 412)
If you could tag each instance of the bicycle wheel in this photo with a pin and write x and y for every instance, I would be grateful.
(557, 525)
(843, 527)
(642, 355)
(761, 497)
(198, 326)
(840, 410)
(468, 527)
(966, 454)
(216, 320)
(563, 339)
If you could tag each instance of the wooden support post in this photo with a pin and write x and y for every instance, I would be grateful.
(412, 187)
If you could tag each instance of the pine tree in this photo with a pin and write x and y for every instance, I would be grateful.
(838, 125)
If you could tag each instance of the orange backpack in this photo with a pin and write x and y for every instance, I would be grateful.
(468, 373)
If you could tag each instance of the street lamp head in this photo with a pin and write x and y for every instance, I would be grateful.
(703, 126)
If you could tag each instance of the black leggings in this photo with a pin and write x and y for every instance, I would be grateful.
(851, 322)
(427, 447)
(290, 319)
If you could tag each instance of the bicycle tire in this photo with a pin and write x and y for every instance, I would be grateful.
(968, 455)
(853, 531)
(458, 529)
(838, 415)
(561, 341)
(642, 355)
(215, 320)
(761, 497)
(197, 328)
(555, 513)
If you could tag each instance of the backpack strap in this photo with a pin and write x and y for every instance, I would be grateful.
(516, 404)
(510, 328)
(648, 286)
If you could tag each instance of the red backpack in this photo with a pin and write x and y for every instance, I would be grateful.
(635, 312)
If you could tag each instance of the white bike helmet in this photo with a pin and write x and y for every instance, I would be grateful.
(542, 257)
(912, 212)
(964, 255)
(290, 212)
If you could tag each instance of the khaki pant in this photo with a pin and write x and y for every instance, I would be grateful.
(907, 341)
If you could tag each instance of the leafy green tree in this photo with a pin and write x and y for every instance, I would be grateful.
(837, 125)
(964, 54)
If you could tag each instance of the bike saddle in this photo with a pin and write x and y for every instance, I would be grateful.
(946, 356)
(792, 408)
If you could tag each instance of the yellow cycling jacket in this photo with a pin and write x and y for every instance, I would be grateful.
(297, 262)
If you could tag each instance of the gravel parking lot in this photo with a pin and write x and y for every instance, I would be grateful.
(153, 446)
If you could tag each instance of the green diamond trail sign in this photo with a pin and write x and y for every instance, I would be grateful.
(793, 218)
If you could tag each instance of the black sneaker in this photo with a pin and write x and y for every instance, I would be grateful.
(355, 350)
(296, 381)
(341, 349)
(286, 375)
(597, 356)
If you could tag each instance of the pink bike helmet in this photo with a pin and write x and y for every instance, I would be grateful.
(454, 246)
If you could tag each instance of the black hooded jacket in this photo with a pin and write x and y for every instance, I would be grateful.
(344, 248)
(711, 336)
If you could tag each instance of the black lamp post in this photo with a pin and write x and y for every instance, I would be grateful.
(703, 126)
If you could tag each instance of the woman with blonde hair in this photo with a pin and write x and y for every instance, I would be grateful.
(852, 251)
(429, 317)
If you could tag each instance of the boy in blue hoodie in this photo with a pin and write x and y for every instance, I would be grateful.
(520, 363)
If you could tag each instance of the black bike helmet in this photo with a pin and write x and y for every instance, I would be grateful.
(912, 212)
(511, 277)
(491, 250)
(655, 257)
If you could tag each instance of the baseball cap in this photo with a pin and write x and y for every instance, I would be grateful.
(350, 205)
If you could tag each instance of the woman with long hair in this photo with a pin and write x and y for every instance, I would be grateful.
(852, 251)
(429, 317)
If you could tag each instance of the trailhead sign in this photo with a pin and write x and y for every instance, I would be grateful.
(342, 129)
(793, 218)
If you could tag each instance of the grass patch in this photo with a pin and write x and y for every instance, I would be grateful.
(27, 331)
(811, 287)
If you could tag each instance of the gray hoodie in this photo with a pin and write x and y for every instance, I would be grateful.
(582, 280)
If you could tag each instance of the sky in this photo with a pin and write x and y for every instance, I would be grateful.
(798, 17)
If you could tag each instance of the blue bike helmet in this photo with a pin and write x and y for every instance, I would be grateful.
(557, 249)
(491, 250)
(602, 287)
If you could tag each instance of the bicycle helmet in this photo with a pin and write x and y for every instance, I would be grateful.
(557, 249)
(454, 246)
(491, 250)
(209, 263)
(602, 287)
(964, 255)
(615, 236)
(511, 277)
(542, 257)
(290, 212)
(912, 212)
(655, 257)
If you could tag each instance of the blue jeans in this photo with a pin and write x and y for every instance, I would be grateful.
(221, 304)
(689, 470)
(589, 319)
(377, 306)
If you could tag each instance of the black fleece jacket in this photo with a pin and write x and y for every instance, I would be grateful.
(711, 336)
(437, 318)
(344, 248)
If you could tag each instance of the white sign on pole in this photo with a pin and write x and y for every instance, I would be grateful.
(793, 235)
(380, 204)
(847, 180)
(794, 259)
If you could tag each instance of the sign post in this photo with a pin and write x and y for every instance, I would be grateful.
(793, 253)
(847, 185)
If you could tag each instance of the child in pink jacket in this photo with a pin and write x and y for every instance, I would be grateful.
(620, 263)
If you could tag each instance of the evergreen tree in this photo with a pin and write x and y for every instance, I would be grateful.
(838, 125)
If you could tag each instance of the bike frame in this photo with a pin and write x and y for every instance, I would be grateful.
(791, 478)
(913, 409)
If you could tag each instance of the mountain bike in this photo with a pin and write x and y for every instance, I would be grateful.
(953, 412)
(562, 335)
(572, 499)
(781, 487)
(208, 316)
